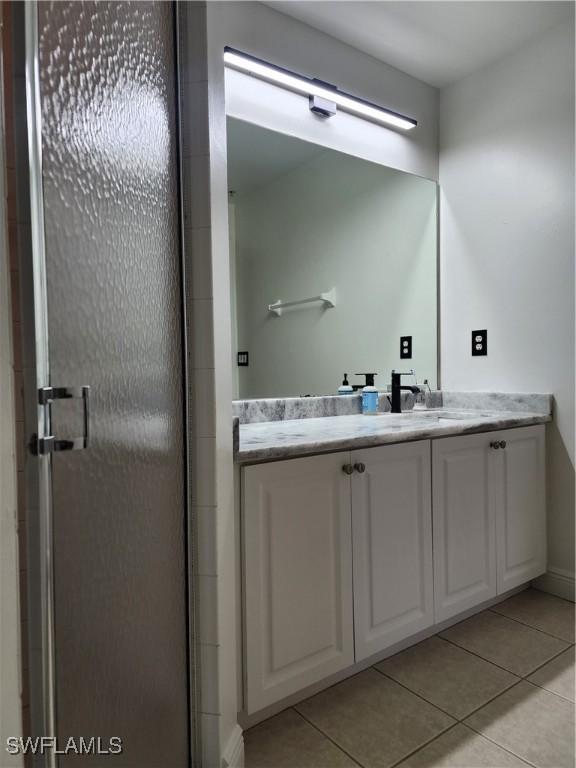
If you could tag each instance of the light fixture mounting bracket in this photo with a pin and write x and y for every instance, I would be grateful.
(320, 105)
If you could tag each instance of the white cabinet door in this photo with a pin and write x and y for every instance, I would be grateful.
(297, 575)
(392, 545)
(521, 506)
(463, 503)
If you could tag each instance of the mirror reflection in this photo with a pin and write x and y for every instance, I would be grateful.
(333, 262)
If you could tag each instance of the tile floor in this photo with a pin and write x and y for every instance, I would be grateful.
(494, 691)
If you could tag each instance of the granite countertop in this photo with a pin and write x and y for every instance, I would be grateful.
(266, 441)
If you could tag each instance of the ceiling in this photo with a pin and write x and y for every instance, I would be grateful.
(257, 156)
(437, 42)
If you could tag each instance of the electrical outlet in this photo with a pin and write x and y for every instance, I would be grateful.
(243, 359)
(405, 347)
(479, 343)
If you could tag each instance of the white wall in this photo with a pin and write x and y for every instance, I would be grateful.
(335, 222)
(507, 245)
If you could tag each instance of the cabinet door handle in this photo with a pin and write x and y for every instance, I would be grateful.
(495, 445)
(359, 467)
(502, 443)
(347, 469)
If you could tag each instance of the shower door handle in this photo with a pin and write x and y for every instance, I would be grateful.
(50, 443)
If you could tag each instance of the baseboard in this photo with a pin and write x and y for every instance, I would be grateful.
(559, 583)
(233, 755)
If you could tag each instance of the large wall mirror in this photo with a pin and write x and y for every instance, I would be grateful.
(308, 222)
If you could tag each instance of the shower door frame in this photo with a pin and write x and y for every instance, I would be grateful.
(40, 545)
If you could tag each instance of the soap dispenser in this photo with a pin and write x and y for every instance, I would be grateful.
(369, 396)
(345, 388)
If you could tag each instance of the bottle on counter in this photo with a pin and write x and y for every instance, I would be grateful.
(369, 396)
(345, 388)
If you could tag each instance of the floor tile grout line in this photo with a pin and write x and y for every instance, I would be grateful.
(531, 626)
(428, 743)
(492, 700)
(328, 738)
(510, 752)
(560, 696)
(423, 746)
(552, 658)
(406, 756)
(473, 711)
(552, 693)
(414, 693)
(476, 655)
(522, 677)
(483, 658)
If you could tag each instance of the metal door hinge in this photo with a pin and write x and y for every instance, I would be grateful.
(50, 443)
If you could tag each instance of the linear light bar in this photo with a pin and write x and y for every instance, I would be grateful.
(348, 103)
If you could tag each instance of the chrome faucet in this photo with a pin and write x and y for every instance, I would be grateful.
(397, 388)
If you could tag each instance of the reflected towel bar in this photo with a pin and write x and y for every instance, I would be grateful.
(328, 298)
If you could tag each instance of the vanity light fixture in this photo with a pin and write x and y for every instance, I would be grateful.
(319, 93)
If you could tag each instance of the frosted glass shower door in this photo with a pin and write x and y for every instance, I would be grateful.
(114, 302)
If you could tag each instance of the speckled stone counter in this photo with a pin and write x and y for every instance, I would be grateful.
(281, 439)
